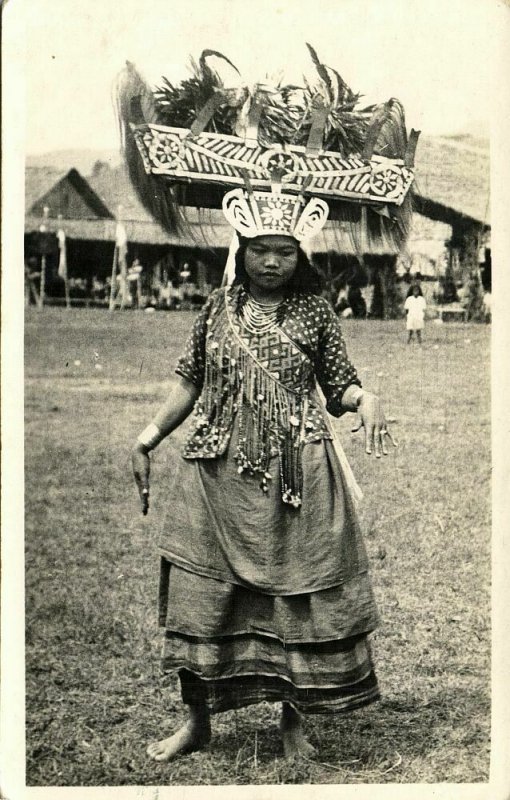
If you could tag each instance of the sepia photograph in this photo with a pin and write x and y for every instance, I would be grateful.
(254, 538)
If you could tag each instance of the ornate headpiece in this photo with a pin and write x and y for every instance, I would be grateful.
(261, 213)
(283, 150)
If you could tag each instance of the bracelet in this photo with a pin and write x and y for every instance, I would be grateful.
(150, 437)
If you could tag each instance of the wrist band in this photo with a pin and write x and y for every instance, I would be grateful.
(150, 437)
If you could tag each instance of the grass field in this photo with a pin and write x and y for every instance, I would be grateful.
(94, 697)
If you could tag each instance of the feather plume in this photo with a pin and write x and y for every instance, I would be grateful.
(135, 105)
(392, 139)
(286, 117)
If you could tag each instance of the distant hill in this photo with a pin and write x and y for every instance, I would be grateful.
(465, 140)
(82, 160)
(477, 128)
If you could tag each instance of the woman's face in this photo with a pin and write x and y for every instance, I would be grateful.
(270, 261)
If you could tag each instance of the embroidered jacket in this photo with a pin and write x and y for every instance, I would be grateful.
(266, 381)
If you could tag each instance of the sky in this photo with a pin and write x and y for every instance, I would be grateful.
(436, 56)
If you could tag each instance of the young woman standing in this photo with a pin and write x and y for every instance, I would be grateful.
(265, 594)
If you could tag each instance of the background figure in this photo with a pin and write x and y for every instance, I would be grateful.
(134, 277)
(356, 301)
(341, 302)
(415, 309)
(487, 306)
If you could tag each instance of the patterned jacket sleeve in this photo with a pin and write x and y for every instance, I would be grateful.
(333, 369)
(191, 363)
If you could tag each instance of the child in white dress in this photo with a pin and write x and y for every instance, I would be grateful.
(415, 310)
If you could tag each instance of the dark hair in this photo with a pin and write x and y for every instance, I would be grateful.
(411, 289)
(306, 278)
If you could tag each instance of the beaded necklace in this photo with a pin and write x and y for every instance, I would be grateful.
(259, 318)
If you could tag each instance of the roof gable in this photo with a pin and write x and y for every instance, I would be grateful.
(68, 194)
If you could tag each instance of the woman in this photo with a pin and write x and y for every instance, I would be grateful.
(264, 591)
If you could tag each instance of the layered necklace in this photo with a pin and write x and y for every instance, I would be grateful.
(259, 318)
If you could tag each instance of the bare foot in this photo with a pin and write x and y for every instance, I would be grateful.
(295, 743)
(187, 739)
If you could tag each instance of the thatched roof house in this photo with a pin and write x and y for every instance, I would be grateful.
(452, 199)
(453, 180)
(87, 211)
(88, 207)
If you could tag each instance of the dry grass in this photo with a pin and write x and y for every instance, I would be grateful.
(93, 691)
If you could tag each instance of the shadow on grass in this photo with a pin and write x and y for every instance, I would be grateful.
(433, 738)
(416, 738)
(401, 740)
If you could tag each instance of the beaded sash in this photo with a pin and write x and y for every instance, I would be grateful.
(271, 414)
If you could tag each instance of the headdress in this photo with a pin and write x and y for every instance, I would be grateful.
(258, 213)
(276, 159)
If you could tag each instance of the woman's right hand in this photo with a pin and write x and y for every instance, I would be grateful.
(174, 411)
(141, 470)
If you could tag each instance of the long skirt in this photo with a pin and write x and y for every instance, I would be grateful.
(234, 643)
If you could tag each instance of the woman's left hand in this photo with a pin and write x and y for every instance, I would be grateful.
(371, 417)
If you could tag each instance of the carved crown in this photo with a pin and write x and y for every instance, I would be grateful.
(263, 213)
